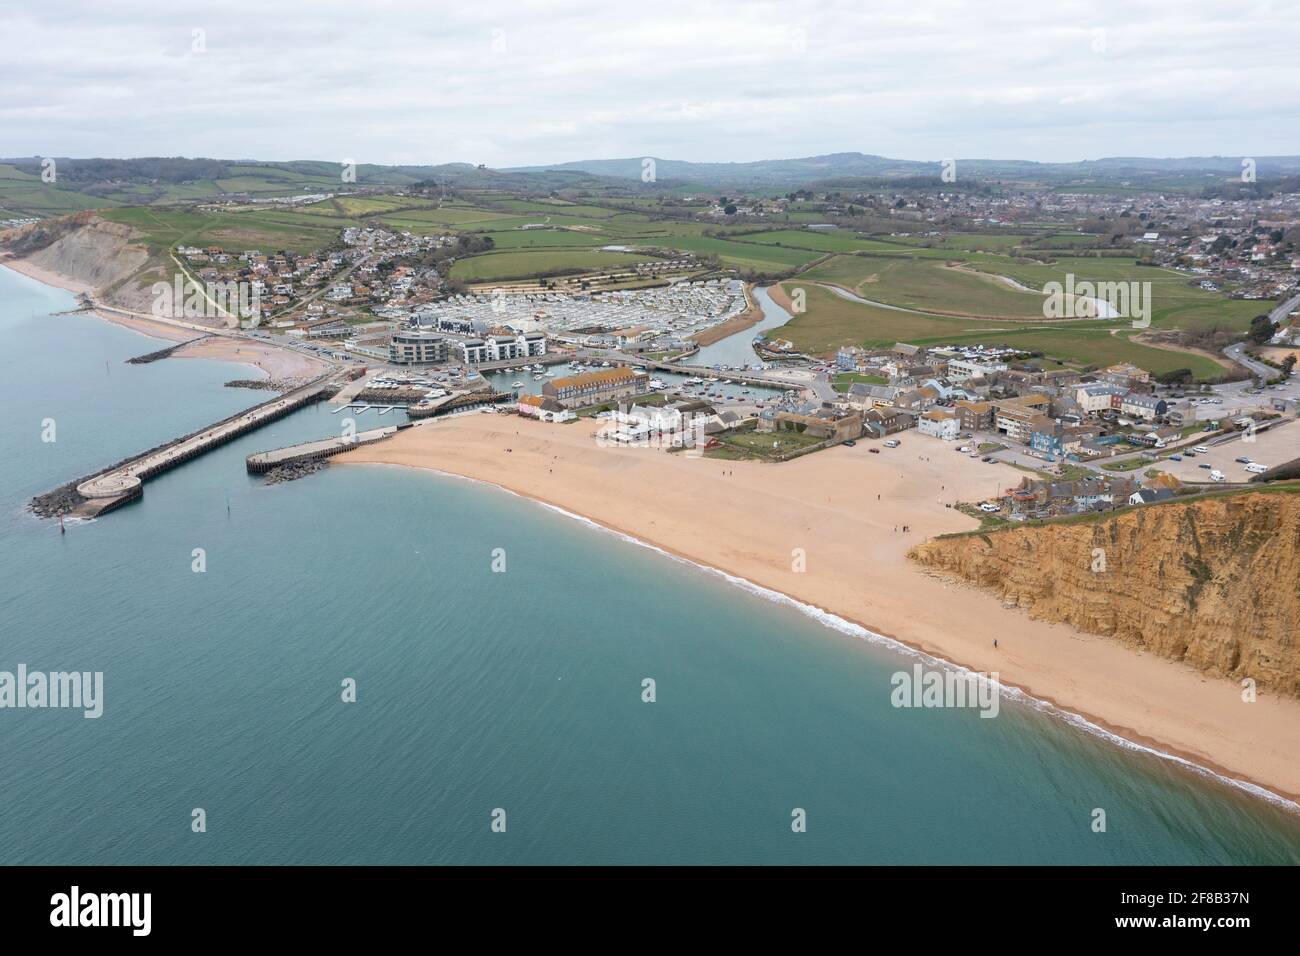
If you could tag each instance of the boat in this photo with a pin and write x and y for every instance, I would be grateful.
(516, 384)
(656, 384)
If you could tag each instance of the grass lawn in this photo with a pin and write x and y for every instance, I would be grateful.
(756, 444)
(843, 380)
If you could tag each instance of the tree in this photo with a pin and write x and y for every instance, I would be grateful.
(1261, 329)
(730, 209)
(1288, 364)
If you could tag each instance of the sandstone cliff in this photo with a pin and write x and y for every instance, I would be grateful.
(1214, 582)
(104, 255)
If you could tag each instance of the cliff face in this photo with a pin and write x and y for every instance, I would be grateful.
(92, 250)
(1213, 582)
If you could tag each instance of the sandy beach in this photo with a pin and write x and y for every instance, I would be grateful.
(846, 509)
(273, 361)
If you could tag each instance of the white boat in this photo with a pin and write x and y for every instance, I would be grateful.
(538, 378)
(656, 384)
(516, 384)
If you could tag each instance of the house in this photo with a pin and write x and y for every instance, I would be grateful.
(872, 396)
(1099, 396)
(940, 423)
(1146, 407)
(960, 370)
(975, 416)
(1145, 496)
(917, 400)
(1125, 374)
(849, 358)
(544, 408)
(884, 420)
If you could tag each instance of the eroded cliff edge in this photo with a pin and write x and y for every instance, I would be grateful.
(1213, 582)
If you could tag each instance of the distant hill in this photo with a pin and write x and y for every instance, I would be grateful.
(98, 183)
(776, 173)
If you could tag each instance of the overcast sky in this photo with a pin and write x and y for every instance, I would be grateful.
(529, 83)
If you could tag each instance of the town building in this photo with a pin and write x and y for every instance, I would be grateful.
(593, 388)
(941, 423)
(417, 347)
(502, 348)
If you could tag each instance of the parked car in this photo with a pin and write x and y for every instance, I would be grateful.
(990, 507)
(849, 442)
(1257, 468)
(874, 451)
(1201, 450)
(1189, 454)
(1204, 465)
(1175, 457)
(892, 443)
(1218, 476)
(1242, 460)
(989, 459)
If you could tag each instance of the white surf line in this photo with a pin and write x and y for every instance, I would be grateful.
(838, 623)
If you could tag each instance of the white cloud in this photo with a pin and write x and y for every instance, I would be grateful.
(536, 82)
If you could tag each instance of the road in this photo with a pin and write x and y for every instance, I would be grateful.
(1238, 352)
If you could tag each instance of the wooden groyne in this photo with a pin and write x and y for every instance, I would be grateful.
(265, 461)
(119, 484)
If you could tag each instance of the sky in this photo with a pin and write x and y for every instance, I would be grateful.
(530, 83)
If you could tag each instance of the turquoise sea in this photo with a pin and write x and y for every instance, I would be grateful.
(476, 690)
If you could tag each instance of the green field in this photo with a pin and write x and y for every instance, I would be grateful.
(521, 265)
(831, 321)
(928, 285)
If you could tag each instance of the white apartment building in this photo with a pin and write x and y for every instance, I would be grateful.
(417, 347)
(962, 369)
(940, 423)
(502, 348)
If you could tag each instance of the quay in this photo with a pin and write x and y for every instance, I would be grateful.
(265, 461)
(124, 482)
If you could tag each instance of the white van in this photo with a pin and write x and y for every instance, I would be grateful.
(1201, 450)
(892, 443)
(1257, 468)
(1217, 475)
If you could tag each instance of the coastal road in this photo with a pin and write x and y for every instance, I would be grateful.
(1238, 352)
(1256, 368)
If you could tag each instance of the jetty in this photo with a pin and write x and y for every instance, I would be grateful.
(265, 461)
(124, 482)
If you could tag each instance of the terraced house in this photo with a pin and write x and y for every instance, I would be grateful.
(593, 388)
